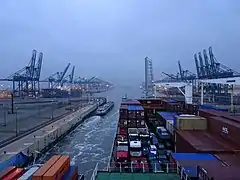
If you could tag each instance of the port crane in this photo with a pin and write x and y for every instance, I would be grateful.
(56, 79)
(26, 81)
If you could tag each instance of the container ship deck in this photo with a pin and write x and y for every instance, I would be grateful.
(166, 139)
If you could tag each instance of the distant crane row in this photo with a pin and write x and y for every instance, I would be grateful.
(26, 82)
(208, 70)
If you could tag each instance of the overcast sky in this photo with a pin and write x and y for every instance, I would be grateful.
(110, 38)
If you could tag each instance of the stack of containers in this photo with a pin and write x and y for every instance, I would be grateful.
(55, 168)
(168, 120)
(150, 108)
(11, 172)
(123, 112)
(187, 163)
(135, 116)
(173, 106)
(192, 108)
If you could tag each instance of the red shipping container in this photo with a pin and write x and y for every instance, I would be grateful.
(201, 141)
(232, 159)
(208, 113)
(217, 171)
(15, 174)
(225, 128)
(233, 118)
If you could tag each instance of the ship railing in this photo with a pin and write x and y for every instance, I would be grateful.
(95, 171)
(113, 145)
(147, 167)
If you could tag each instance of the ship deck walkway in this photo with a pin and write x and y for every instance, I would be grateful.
(136, 176)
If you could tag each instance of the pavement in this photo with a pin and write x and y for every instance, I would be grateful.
(27, 116)
(21, 144)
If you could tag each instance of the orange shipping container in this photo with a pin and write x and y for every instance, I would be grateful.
(57, 171)
(39, 174)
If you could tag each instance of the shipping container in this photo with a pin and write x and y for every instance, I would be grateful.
(123, 123)
(150, 102)
(166, 116)
(123, 131)
(192, 108)
(28, 175)
(130, 102)
(58, 169)
(235, 118)
(232, 159)
(7, 171)
(39, 174)
(13, 175)
(170, 127)
(215, 170)
(132, 123)
(209, 113)
(191, 122)
(149, 113)
(135, 111)
(211, 107)
(123, 111)
(202, 141)
(225, 128)
(140, 124)
(189, 161)
(71, 174)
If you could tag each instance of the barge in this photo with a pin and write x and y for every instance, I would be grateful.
(104, 109)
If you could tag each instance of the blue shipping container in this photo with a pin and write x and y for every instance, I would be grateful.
(210, 107)
(19, 159)
(191, 171)
(193, 156)
(135, 108)
(70, 173)
(171, 101)
(169, 116)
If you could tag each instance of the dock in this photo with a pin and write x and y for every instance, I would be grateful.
(43, 138)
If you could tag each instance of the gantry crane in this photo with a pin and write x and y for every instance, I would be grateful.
(25, 82)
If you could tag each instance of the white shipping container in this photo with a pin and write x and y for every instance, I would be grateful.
(170, 126)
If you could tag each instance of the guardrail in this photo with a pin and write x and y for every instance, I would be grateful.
(141, 167)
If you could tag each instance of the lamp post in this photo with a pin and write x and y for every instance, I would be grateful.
(52, 110)
(16, 122)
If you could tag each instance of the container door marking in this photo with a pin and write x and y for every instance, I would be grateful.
(225, 130)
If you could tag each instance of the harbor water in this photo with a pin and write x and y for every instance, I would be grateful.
(91, 142)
